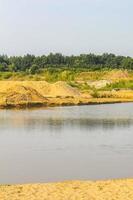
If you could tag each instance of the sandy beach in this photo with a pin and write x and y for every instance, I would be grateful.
(70, 190)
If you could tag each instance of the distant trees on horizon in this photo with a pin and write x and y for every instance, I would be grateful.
(33, 64)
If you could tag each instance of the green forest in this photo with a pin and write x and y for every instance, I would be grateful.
(33, 64)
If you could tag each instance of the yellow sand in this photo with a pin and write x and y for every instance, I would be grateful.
(114, 75)
(42, 93)
(17, 92)
(71, 190)
(59, 88)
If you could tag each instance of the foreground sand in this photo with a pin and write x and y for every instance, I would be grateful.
(70, 190)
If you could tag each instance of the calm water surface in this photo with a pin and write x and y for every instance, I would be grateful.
(65, 143)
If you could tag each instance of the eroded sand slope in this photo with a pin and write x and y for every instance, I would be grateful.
(15, 92)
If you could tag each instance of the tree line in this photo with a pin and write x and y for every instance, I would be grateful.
(33, 64)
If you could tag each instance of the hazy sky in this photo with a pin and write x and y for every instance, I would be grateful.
(66, 26)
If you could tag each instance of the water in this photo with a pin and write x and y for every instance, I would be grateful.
(66, 143)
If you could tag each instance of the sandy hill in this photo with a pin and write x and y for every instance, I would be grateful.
(33, 91)
(104, 75)
(117, 75)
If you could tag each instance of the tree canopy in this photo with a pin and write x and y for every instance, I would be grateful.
(32, 64)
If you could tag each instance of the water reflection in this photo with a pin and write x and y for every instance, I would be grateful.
(60, 124)
(85, 142)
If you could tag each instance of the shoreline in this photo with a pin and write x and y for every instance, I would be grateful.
(116, 189)
(28, 94)
(57, 102)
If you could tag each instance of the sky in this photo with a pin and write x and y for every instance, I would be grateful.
(66, 26)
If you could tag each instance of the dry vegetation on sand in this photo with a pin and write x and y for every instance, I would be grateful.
(70, 190)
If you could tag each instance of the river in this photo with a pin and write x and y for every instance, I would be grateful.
(66, 143)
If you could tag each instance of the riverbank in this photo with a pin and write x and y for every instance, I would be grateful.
(26, 94)
(70, 190)
(53, 102)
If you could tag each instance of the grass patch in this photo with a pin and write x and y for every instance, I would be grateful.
(123, 84)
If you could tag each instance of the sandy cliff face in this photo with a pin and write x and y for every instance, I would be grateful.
(33, 91)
